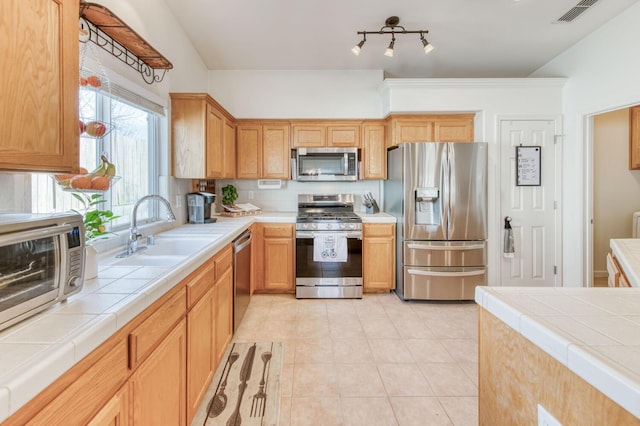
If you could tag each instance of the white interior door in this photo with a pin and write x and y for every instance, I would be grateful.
(534, 209)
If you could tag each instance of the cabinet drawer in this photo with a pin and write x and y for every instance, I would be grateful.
(223, 260)
(379, 230)
(278, 231)
(440, 253)
(146, 336)
(199, 281)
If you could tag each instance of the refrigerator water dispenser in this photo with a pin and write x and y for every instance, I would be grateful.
(427, 206)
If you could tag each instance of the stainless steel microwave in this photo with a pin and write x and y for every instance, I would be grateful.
(41, 262)
(326, 164)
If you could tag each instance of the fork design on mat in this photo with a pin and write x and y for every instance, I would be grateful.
(259, 399)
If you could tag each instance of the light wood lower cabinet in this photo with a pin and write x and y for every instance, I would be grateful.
(201, 352)
(158, 386)
(274, 245)
(209, 323)
(515, 376)
(156, 369)
(378, 256)
(115, 412)
(223, 297)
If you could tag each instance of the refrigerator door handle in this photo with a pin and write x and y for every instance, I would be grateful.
(445, 274)
(445, 248)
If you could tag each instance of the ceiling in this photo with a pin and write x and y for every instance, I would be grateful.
(472, 38)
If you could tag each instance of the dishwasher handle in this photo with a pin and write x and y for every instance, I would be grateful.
(242, 241)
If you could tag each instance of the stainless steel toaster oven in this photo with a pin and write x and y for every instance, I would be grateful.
(41, 262)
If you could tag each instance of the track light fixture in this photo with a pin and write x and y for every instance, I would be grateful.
(391, 27)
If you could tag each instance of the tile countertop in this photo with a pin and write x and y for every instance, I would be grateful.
(595, 332)
(36, 351)
(627, 251)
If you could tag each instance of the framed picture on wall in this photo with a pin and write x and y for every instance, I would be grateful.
(528, 167)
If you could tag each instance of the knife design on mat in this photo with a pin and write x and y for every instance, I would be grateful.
(245, 375)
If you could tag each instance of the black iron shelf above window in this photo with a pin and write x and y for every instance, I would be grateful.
(114, 36)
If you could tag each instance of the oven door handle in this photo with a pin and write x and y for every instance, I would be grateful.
(445, 274)
(306, 234)
(444, 248)
(18, 237)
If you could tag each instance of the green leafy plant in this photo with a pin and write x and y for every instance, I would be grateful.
(94, 218)
(229, 195)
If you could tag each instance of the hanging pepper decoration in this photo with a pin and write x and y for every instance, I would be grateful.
(508, 250)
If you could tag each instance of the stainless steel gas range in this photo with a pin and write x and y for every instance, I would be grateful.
(328, 247)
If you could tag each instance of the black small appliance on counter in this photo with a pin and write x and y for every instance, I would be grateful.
(199, 207)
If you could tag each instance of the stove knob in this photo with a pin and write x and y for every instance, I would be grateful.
(343, 226)
(352, 225)
(329, 226)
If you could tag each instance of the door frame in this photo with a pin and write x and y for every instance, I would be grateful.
(496, 235)
(588, 132)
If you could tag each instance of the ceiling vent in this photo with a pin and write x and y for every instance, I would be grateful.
(577, 10)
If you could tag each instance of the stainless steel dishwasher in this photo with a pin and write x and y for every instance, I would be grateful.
(241, 276)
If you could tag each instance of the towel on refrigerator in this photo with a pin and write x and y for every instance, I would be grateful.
(330, 248)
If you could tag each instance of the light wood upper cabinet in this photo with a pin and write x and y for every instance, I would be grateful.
(39, 85)
(411, 129)
(198, 129)
(229, 154)
(634, 138)
(374, 150)
(431, 128)
(343, 135)
(263, 150)
(308, 135)
(275, 152)
(248, 149)
(378, 256)
(325, 133)
(453, 129)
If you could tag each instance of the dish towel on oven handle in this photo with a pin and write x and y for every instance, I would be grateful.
(330, 248)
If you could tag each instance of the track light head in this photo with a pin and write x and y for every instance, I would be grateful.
(389, 51)
(356, 49)
(428, 47)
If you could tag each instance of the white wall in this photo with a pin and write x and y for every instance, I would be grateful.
(298, 94)
(604, 76)
(616, 189)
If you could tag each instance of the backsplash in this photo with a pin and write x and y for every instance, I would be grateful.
(285, 199)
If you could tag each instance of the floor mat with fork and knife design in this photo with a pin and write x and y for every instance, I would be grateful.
(245, 389)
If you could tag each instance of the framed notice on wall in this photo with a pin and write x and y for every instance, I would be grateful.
(528, 165)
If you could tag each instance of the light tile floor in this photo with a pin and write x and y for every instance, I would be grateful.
(375, 361)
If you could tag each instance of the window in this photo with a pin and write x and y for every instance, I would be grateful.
(131, 146)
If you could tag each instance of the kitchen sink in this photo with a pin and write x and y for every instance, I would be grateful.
(144, 259)
(175, 246)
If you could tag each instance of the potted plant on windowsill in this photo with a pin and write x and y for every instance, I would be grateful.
(95, 220)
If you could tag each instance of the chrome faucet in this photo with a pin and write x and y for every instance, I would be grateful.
(134, 235)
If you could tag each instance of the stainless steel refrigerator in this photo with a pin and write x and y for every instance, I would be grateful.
(438, 193)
